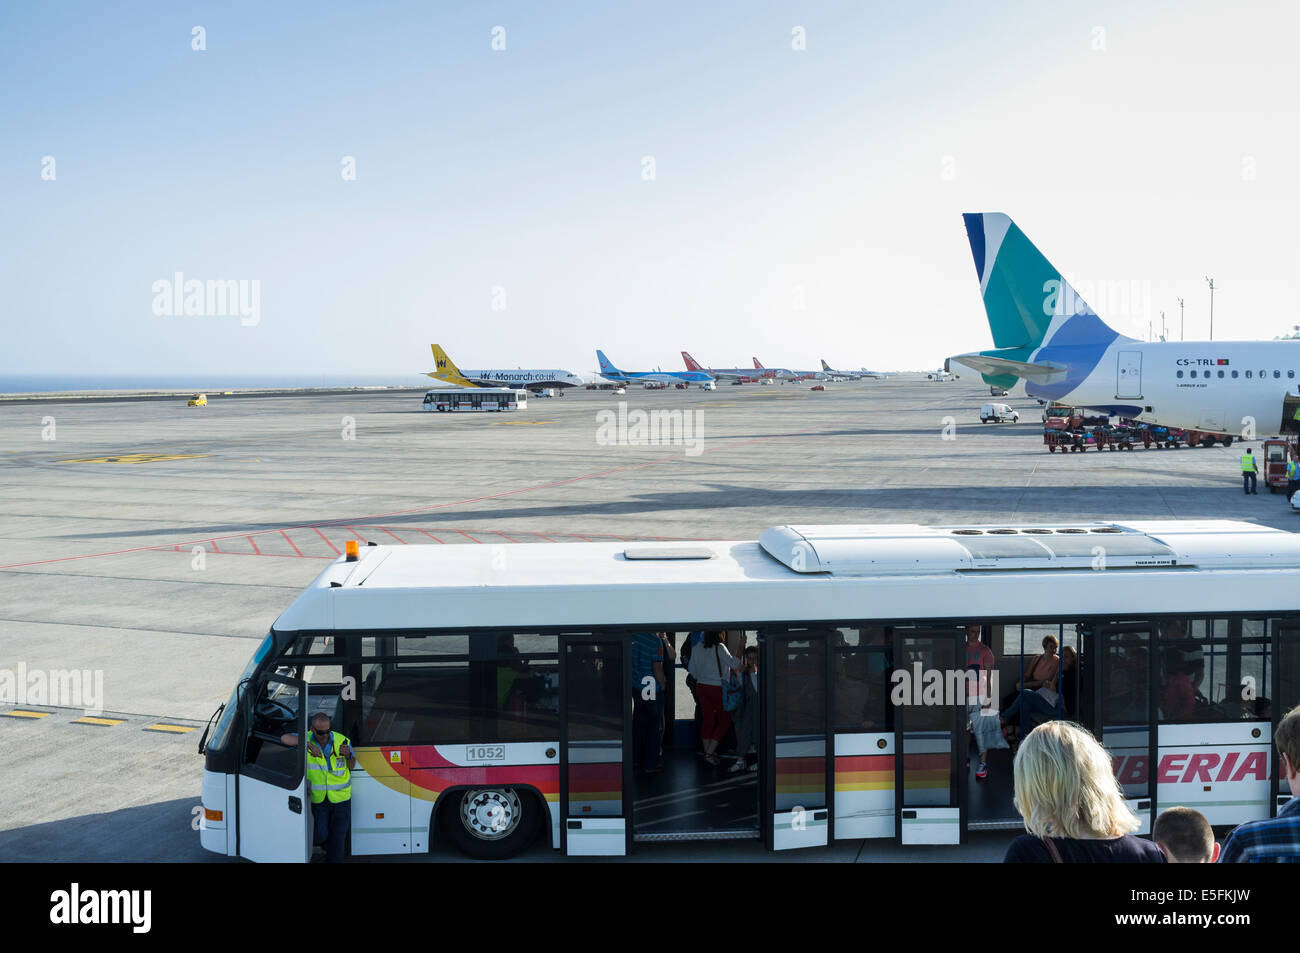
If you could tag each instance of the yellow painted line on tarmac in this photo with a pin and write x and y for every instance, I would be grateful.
(20, 713)
(137, 458)
(171, 729)
(103, 722)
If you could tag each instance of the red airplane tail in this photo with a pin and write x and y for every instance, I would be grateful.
(691, 363)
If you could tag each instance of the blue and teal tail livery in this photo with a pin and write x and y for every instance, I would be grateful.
(1043, 331)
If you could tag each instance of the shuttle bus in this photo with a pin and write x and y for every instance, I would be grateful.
(475, 398)
(489, 690)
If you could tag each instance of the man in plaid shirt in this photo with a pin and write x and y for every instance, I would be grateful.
(1276, 840)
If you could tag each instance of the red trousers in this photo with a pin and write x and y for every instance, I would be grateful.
(714, 721)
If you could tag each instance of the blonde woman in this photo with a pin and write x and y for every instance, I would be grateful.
(1073, 807)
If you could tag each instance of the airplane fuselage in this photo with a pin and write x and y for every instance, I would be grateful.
(1217, 386)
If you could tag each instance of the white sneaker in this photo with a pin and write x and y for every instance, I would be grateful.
(738, 766)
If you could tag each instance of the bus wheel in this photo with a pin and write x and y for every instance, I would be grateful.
(490, 823)
(1227, 440)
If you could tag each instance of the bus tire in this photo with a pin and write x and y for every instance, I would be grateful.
(470, 815)
(1227, 440)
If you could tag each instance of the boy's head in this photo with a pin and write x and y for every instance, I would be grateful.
(1186, 836)
(1287, 739)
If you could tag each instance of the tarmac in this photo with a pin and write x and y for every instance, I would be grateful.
(156, 543)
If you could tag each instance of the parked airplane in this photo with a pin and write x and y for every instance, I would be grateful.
(610, 372)
(779, 373)
(532, 379)
(1046, 334)
(848, 375)
(743, 374)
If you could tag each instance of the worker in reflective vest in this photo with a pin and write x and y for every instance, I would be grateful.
(330, 761)
(1292, 477)
(1248, 470)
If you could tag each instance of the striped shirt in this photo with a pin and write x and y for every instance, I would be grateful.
(1276, 840)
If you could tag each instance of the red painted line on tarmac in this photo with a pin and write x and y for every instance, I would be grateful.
(394, 535)
(431, 536)
(290, 542)
(360, 538)
(467, 536)
(326, 538)
(256, 551)
(425, 509)
(499, 533)
(543, 535)
(583, 538)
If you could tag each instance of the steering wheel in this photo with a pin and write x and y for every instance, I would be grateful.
(272, 709)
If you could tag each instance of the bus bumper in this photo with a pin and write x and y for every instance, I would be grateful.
(217, 822)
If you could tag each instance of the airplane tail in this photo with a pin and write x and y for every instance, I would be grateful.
(1043, 331)
(446, 370)
(691, 363)
(758, 366)
(606, 365)
(825, 367)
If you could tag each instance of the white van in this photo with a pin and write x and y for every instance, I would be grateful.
(708, 385)
(998, 413)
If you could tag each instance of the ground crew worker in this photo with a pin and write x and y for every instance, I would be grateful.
(1292, 477)
(1248, 470)
(329, 773)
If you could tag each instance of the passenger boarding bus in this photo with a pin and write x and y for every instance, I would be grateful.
(476, 398)
(489, 691)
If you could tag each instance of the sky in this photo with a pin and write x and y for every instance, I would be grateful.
(642, 178)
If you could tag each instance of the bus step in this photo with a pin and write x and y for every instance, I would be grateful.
(662, 837)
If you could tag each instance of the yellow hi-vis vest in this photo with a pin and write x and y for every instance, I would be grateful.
(1296, 415)
(329, 776)
(1248, 464)
(1291, 468)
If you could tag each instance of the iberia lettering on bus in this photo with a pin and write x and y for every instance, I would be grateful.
(1188, 768)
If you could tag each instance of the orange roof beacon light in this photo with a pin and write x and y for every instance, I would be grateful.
(350, 551)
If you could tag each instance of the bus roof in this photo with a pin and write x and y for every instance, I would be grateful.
(805, 572)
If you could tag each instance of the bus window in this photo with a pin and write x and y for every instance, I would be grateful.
(863, 662)
(498, 687)
(1212, 670)
(274, 712)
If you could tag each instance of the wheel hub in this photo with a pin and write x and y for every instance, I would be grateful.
(490, 814)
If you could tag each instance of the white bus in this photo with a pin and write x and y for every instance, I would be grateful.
(475, 398)
(489, 691)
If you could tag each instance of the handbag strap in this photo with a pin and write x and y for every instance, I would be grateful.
(1056, 854)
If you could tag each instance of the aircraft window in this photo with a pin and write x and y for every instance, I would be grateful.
(1220, 373)
(1290, 373)
(1180, 373)
(1193, 373)
(1248, 375)
(1277, 374)
(1263, 374)
(1234, 375)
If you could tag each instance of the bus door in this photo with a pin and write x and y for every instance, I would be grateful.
(595, 746)
(930, 744)
(272, 803)
(1124, 706)
(1286, 695)
(796, 762)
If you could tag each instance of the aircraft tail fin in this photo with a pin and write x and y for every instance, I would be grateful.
(825, 367)
(1031, 309)
(758, 365)
(446, 370)
(606, 365)
(691, 363)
